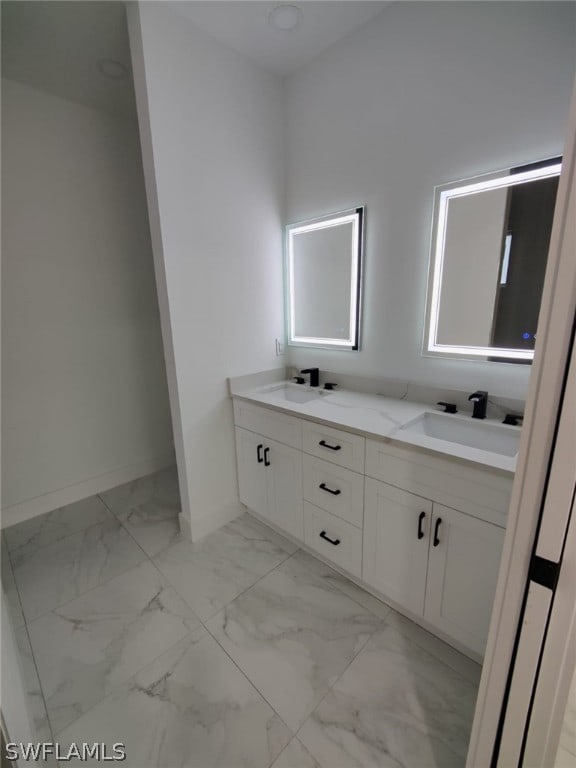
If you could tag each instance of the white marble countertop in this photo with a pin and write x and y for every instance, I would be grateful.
(376, 416)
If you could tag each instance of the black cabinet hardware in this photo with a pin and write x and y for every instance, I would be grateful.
(324, 444)
(324, 487)
(259, 453)
(335, 542)
(421, 517)
(436, 529)
(266, 453)
(448, 407)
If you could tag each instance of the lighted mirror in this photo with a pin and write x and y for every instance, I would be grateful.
(323, 279)
(490, 240)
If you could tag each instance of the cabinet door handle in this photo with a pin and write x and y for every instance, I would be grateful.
(421, 517)
(324, 487)
(324, 444)
(436, 528)
(335, 542)
(266, 452)
(259, 453)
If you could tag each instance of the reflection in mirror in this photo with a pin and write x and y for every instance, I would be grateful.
(488, 258)
(323, 271)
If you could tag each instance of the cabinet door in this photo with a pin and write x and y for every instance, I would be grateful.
(462, 574)
(283, 467)
(396, 538)
(251, 474)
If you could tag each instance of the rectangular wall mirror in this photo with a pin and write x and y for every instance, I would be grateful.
(489, 248)
(323, 280)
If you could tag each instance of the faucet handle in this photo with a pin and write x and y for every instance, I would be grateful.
(512, 419)
(448, 407)
(299, 379)
(330, 385)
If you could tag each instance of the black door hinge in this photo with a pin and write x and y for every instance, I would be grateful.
(544, 572)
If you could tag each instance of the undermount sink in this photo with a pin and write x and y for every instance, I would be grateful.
(475, 434)
(294, 393)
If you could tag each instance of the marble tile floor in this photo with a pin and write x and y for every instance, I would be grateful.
(238, 651)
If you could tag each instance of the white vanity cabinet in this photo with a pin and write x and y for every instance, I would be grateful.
(270, 471)
(422, 530)
(463, 569)
(334, 494)
(438, 562)
(396, 538)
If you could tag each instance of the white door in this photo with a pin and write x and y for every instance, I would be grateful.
(283, 467)
(546, 648)
(462, 574)
(251, 474)
(396, 539)
(531, 646)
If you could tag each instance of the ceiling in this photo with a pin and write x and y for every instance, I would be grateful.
(55, 45)
(244, 26)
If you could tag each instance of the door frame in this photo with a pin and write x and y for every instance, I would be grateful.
(547, 382)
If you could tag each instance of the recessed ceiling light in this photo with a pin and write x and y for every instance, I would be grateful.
(285, 17)
(112, 69)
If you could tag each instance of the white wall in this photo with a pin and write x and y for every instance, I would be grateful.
(426, 93)
(211, 131)
(85, 403)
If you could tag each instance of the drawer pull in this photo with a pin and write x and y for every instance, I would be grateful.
(324, 487)
(436, 528)
(259, 453)
(266, 452)
(324, 444)
(421, 517)
(335, 542)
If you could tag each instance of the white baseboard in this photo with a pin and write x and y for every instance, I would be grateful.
(201, 526)
(24, 510)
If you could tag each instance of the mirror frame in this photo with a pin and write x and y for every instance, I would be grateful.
(356, 216)
(442, 196)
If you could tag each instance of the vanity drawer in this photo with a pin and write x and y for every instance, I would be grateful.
(334, 445)
(269, 423)
(335, 489)
(333, 538)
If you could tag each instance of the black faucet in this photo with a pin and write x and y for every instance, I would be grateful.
(314, 376)
(480, 400)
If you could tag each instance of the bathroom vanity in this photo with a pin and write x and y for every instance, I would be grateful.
(364, 482)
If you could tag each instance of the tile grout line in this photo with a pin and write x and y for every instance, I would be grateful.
(27, 622)
(41, 687)
(68, 535)
(119, 685)
(25, 628)
(17, 593)
(97, 586)
(190, 632)
(343, 592)
(81, 594)
(253, 684)
(207, 634)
